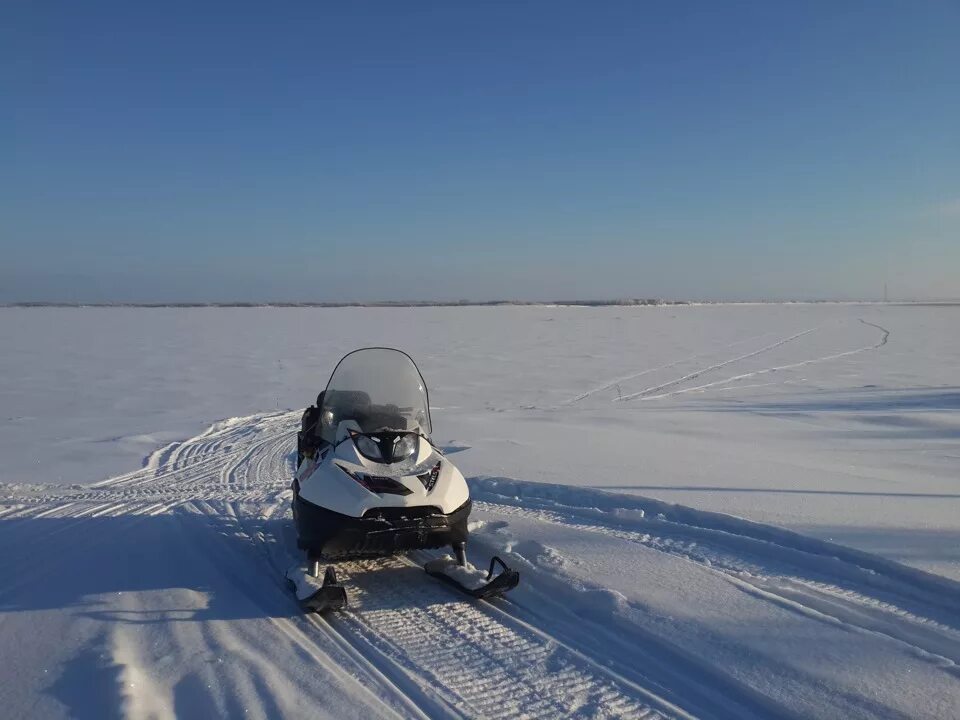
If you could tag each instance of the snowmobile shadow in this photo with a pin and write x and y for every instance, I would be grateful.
(175, 567)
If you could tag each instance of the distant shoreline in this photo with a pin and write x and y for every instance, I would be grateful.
(632, 302)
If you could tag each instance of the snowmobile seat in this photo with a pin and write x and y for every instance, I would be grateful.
(386, 416)
(310, 420)
(350, 404)
(308, 439)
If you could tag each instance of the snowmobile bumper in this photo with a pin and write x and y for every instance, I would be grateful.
(380, 531)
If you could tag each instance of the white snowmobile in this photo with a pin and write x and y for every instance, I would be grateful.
(371, 482)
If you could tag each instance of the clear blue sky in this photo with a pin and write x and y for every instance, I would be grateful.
(445, 150)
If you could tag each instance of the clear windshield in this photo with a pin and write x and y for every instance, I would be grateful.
(380, 389)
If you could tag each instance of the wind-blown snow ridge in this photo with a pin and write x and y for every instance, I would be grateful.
(601, 509)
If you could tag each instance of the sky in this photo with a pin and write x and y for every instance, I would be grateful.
(318, 151)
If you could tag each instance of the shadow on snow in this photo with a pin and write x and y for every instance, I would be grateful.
(90, 564)
(886, 413)
(865, 399)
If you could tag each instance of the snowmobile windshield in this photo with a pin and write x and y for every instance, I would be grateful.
(379, 389)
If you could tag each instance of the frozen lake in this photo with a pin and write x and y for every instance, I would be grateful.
(578, 429)
(839, 421)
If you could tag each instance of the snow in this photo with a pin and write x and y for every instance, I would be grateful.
(716, 511)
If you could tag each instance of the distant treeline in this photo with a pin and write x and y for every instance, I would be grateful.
(623, 302)
(383, 303)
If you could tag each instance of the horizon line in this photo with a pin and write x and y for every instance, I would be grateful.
(615, 302)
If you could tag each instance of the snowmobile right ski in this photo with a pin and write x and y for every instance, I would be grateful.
(473, 581)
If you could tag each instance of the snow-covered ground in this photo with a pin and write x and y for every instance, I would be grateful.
(833, 431)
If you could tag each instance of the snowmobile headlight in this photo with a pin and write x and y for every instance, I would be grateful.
(368, 446)
(404, 446)
(378, 484)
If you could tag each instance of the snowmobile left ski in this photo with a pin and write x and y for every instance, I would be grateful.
(370, 481)
(314, 594)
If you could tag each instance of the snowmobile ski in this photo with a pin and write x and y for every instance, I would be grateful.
(473, 581)
(316, 596)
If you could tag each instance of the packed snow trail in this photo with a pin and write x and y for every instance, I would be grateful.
(649, 393)
(656, 392)
(161, 593)
(610, 384)
(212, 513)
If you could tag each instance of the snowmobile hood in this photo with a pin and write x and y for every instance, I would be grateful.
(377, 389)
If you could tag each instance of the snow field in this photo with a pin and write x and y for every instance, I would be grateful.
(171, 593)
(810, 569)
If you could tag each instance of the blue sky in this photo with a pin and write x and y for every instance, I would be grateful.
(446, 150)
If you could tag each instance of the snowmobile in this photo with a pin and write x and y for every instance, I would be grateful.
(372, 483)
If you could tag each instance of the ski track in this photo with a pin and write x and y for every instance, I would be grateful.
(417, 649)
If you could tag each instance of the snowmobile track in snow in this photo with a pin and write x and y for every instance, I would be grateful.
(419, 649)
(415, 643)
(610, 384)
(656, 393)
(452, 656)
(828, 582)
(670, 388)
